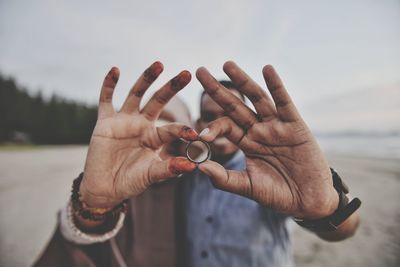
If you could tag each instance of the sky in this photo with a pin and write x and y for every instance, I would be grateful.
(320, 48)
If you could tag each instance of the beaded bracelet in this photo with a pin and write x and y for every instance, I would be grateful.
(94, 214)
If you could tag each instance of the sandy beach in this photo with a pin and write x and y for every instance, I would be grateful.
(35, 183)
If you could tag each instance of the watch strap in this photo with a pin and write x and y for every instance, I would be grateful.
(332, 222)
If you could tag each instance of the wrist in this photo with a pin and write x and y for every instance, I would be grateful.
(332, 204)
(85, 225)
(96, 202)
(343, 211)
(94, 227)
(321, 205)
(87, 212)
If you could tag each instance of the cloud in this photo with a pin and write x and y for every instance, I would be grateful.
(68, 46)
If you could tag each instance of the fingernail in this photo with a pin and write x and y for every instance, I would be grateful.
(152, 72)
(205, 131)
(112, 70)
(180, 165)
(157, 66)
(188, 133)
(185, 76)
(181, 80)
(115, 75)
(203, 69)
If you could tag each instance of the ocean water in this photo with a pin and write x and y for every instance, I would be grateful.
(368, 146)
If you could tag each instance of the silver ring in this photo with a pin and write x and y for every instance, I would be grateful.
(198, 161)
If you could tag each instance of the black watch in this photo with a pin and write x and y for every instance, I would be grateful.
(344, 210)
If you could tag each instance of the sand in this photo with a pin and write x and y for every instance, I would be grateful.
(35, 183)
(377, 242)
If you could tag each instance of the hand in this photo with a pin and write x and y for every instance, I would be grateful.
(124, 152)
(285, 168)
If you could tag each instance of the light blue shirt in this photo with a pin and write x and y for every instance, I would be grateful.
(225, 229)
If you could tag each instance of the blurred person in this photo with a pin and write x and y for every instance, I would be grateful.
(226, 229)
(280, 172)
(147, 236)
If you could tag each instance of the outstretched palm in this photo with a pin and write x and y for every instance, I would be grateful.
(123, 157)
(285, 168)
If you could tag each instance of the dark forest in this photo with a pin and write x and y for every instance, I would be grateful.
(26, 118)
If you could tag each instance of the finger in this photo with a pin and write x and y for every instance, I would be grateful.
(237, 182)
(261, 101)
(284, 105)
(160, 170)
(154, 107)
(231, 104)
(224, 126)
(172, 131)
(135, 95)
(106, 108)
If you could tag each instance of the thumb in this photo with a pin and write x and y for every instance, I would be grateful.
(237, 182)
(160, 170)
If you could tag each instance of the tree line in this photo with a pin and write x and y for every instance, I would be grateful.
(34, 119)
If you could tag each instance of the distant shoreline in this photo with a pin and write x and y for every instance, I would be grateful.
(355, 134)
(328, 152)
(354, 155)
(28, 147)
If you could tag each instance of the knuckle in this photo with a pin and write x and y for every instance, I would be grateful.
(138, 91)
(274, 87)
(221, 121)
(248, 125)
(230, 107)
(255, 98)
(242, 83)
(212, 91)
(282, 102)
(161, 98)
